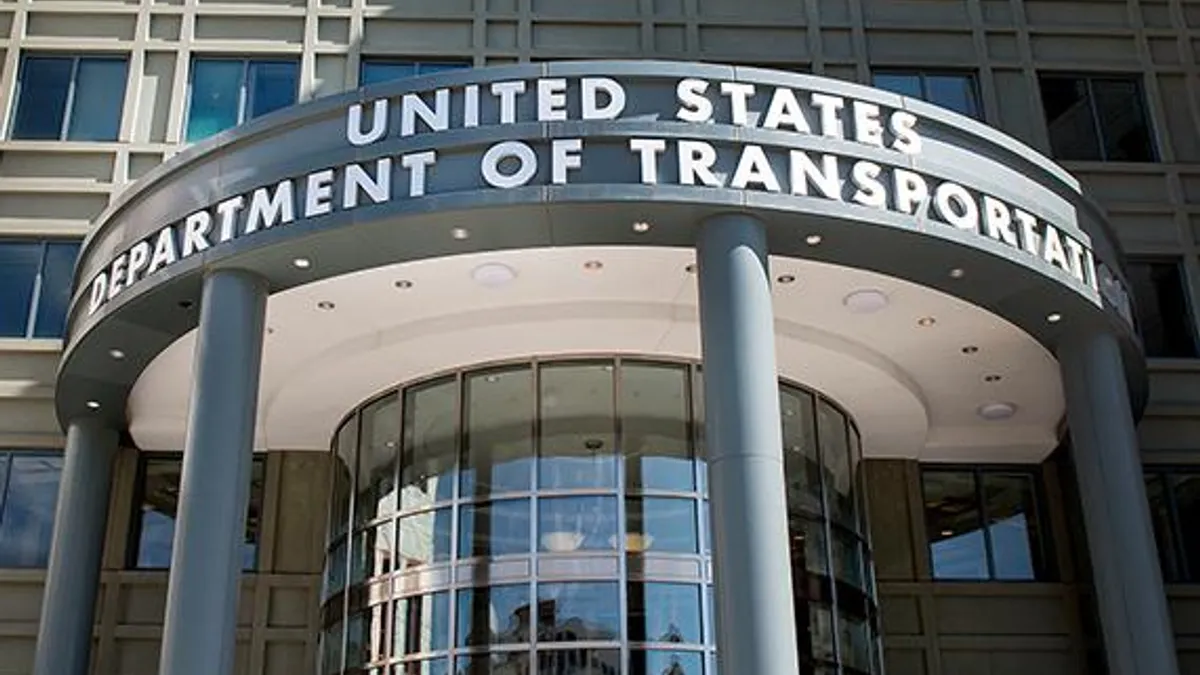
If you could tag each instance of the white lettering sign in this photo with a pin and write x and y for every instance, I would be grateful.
(880, 184)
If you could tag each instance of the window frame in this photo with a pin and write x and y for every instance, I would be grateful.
(35, 300)
(245, 91)
(133, 537)
(1178, 552)
(1089, 78)
(64, 125)
(1044, 572)
(923, 74)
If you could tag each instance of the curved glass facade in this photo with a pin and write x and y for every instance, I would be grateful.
(550, 518)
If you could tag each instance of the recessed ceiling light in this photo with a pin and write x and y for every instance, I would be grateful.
(302, 263)
(926, 321)
(94, 405)
(970, 349)
(403, 284)
(116, 354)
(641, 226)
(999, 410)
(326, 305)
(813, 239)
(865, 301)
(992, 378)
(592, 265)
(493, 274)
(1054, 318)
(957, 273)
(786, 278)
(460, 233)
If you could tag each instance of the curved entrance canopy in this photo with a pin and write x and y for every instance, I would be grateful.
(591, 154)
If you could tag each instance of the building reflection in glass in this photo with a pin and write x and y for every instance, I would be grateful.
(551, 519)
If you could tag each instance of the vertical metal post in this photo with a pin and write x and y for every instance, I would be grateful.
(756, 628)
(1133, 608)
(73, 576)
(201, 613)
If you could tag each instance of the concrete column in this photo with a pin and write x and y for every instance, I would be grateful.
(73, 576)
(756, 628)
(201, 613)
(1133, 607)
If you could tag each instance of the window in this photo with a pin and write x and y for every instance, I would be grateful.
(373, 71)
(158, 502)
(69, 98)
(983, 524)
(1174, 507)
(35, 287)
(954, 91)
(28, 496)
(1164, 315)
(228, 92)
(1098, 118)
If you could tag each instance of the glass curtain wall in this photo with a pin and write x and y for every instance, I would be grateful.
(551, 518)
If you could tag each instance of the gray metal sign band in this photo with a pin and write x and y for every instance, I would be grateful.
(582, 153)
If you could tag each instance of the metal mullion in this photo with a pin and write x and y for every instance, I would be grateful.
(397, 473)
(244, 91)
(989, 553)
(349, 582)
(831, 573)
(851, 481)
(622, 519)
(452, 589)
(1041, 570)
(35, 298)
(535, 424)
(8, 460)
(65, 126)
(134, 527)
(1091, 100)
(697, 500)
(1178, 549)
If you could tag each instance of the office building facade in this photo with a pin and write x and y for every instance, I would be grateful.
(684, 336)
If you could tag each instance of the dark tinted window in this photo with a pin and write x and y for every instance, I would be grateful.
(158, 504)
(983, 524)
(1164, 314)
(228, 92)
(954, 91)
(1096, 118)
(383, 70)
(272, 86)
(35, 287)
(58, 264)
(71, 98)
(1174, 510)
(28, 496)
